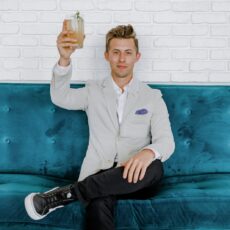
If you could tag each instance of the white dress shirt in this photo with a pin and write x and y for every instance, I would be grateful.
(121, 99)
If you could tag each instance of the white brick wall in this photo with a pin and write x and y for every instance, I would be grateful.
(181, 41)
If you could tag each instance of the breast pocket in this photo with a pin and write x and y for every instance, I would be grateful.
(140, 119)
(136, 126)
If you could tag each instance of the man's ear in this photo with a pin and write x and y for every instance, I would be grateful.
(106, 55)
(138, 56)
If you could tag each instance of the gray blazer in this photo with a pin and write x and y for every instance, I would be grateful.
(145, 121)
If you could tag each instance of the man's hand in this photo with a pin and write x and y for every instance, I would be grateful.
(135, 167)
(66, 45)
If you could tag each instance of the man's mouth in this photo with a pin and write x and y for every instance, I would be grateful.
(122, 66)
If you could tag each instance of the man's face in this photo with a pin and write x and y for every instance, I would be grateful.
(122, 56)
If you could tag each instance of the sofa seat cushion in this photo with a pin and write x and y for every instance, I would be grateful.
(26, 226)
(14, 188)
(211, 185)
(183, 202)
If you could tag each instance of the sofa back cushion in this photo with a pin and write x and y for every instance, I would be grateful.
(36, 137)
(200, 119)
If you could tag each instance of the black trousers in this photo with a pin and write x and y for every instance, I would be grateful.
(100, 191)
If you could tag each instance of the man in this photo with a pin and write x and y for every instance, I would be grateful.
(130, 133)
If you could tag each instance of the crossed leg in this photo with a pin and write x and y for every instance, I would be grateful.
(99, 193)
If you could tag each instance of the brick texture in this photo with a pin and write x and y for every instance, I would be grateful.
(181, 41)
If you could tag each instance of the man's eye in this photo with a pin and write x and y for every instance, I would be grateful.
(129, 53)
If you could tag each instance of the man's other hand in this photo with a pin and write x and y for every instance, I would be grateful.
(136, 166)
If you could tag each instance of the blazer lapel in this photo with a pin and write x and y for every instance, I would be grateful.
(110, 98)
(133, 93)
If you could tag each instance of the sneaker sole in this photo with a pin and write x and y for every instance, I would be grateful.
(29, 206)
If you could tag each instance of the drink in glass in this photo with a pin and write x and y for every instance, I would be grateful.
(75, 24)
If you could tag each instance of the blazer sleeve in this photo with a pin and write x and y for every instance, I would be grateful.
(162, 139)
(64, 96)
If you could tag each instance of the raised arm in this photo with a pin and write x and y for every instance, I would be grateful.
(61, 93)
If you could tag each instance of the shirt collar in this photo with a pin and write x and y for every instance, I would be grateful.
(118, 89)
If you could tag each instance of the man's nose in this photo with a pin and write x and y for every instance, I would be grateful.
(122, 57)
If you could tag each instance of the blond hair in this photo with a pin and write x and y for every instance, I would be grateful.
(121, 31)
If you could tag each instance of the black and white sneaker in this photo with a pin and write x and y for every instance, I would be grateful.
(39, 205)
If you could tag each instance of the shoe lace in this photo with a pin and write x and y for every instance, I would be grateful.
(54, 199)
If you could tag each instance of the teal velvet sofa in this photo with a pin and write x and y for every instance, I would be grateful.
(42, 146)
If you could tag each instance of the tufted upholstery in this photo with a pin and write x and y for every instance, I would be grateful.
(42, 146)
(201, 127)
(34, 131)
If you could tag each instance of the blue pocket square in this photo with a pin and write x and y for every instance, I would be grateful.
(141, 111)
